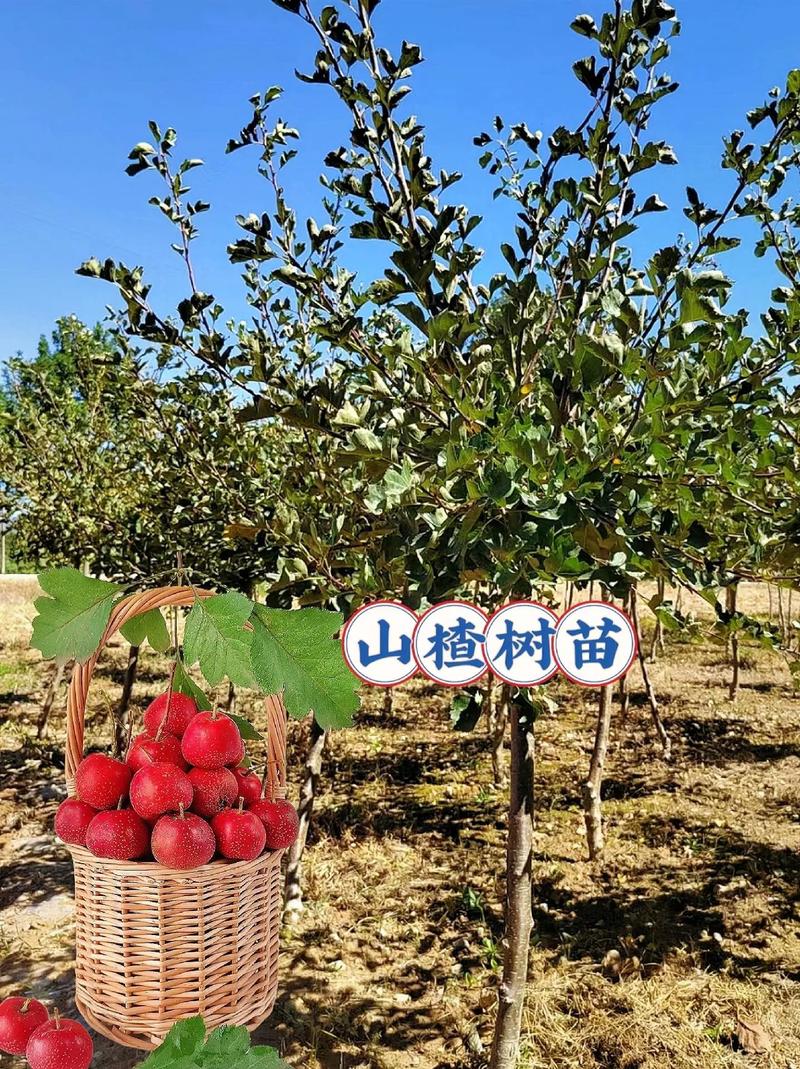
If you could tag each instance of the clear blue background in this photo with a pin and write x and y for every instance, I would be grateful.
(81, 80)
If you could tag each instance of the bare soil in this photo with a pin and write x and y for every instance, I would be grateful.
(660, 956)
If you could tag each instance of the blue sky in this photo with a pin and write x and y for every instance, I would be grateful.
(82, 79)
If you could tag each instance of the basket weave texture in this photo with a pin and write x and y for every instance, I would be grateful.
(154, 945)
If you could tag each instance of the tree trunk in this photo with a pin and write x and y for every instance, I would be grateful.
(293, 896)
(230, 701)
(498, 718)
(658, 723)
(592, 788)
(624, 698)
(657, 643)
(730, 605)
(388, 702)
(49, 699)
(769, 596)
(119, 716)
(519, 870)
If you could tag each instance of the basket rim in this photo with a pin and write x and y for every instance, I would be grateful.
(154, 869)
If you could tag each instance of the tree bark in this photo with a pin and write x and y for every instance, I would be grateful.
(624, 698)
(519, 870)
(652, 701)
(657, 643)
(388, 702)
(293, 896)
(49, 699)
(730, 605)
(592, 788)
(498, 718)
(119, 715)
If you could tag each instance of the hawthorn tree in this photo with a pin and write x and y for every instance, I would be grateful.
(570, 417)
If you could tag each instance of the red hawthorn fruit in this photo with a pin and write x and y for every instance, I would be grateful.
(185, 841)
(212, 740)
(118, 833)
(60, 1044)
(175, 719)
(73, 818)
(19, 1017)
(280, 821)
(101, 781)
(145, 751)
(214, 789)
(158, 789)
(240, 834)
(249, 786)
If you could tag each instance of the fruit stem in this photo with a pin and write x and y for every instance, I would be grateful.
(241, 803)
(57, 1017)
(181, 813)
(24, 1007)
(119, 803)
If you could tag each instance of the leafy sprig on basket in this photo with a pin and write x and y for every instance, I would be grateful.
(186, 1047)
(227, 635)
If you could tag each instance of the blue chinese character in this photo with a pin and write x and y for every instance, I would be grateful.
(403, 653)
(514, 644)
(459, 643)
(600, 650)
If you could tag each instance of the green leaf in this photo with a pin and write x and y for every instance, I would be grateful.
(71, 620)
(184, 684)
(246, 729)
(151, 626)
(698, 308)
(216, 639)
(183, 1041)
(294, 651)
(465, 710)
(229, 1040)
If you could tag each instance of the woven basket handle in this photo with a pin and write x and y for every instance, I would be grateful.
(123, 611)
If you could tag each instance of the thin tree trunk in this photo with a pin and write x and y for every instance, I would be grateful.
(678, 599)
(519, 871)
(657, 642)
(570, 595)
(781, 616)
(498, 719)
(388, 702)
(49, 699)
(592, 788)
(624, 698)
(658, 723)
(730, 605)
(769, 596)
(119, 715)
(230, 701)
(293, 897)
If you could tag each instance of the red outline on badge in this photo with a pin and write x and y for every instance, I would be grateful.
(555, 617)
(634, 652)
(346, 628)
(433, 679)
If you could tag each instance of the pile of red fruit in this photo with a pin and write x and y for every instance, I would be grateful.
(182, 795)
(47, 1042)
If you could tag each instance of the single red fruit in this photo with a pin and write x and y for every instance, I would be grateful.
(60, 1044)
(240, 834)
(101, 781)
(119, 833)
(249, 786)
(159, 789)
(214, 789)
(19, 1017)
(280, 821)
(183, 842)
(72, 820)
(175, 719)
(146, 751)
(212, 740)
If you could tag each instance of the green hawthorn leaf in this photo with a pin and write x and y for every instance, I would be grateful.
(229, 1040)
(71, 619)
(246, 729)
(151, 626)
(294, 651)
(184, 684)
(215, 638)
(183, 1041)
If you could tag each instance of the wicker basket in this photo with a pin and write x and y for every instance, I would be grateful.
(153, 944)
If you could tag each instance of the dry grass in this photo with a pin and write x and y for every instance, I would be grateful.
(643, 961)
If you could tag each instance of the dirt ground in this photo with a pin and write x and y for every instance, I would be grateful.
(688, 931)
